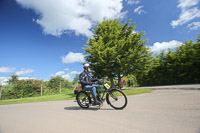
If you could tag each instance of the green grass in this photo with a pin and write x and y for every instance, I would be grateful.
(39, 99)
(136, 91)
(69, 96)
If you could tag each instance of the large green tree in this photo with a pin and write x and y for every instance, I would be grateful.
(181, 66)
(116, 50)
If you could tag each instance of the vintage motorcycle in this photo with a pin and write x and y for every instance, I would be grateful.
(116, 98)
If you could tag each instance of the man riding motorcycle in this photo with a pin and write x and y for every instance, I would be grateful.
(87, 83)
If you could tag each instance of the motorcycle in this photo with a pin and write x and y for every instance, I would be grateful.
(116, 98)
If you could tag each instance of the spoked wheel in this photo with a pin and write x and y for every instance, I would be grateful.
(117, 99)
(83, 99)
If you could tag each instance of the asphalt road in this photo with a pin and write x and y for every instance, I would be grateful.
(173, 87)
(162, 111)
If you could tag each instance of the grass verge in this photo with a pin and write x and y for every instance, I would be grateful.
(136, 91)
(68, 96)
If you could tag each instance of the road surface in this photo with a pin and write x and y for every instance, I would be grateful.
(162, 111)
(172, 87)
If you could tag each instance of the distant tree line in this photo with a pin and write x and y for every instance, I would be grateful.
(181, 66)
(34, 87)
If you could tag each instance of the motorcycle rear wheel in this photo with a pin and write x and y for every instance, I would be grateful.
(83, 99)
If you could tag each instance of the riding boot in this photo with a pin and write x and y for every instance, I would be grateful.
(96, 102)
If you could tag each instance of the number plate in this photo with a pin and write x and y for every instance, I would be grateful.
(107, 86)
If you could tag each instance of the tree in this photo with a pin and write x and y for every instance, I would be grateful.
(55, 82)
(14, 79)
(176, 67)
(75, 79)
(116, 50)
(26, 88)
(0, 90)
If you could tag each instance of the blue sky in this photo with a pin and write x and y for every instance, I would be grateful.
(40, 39)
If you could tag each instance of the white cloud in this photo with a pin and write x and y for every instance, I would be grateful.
(67, 69)
(25, 78)
(194, 25)
(184, 4)
(132, 2)
(62, 16)
(73, 57)
(186, 17)
(134, 32)
(189, 12)
(59, 73)
(6, 69)
(4, 80)
(164, 46)
(24, 72)
(139, 10)
(74, 72)
(69, 76)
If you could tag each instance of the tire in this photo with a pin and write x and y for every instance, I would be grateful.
(83, 99)
(117, 99)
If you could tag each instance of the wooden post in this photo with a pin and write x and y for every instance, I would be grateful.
(60, 87)
(76, 85)
(41, 89)
(0, 91)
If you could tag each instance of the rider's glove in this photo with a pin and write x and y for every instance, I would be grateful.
(101, 81)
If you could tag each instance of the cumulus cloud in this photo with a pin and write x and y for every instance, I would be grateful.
(67, 69)
(73, 57)
(25, 78)
(189, 12)
(4, 80)
(69, 76)
(194, 25)
(24, 72)
(6, 69)
(59, 73)
(78, 16)
(74, 72)
(184, 4)
(132, 2)
(139, 10)
(164, 46)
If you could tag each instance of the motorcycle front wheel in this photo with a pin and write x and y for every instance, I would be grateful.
(117, 99)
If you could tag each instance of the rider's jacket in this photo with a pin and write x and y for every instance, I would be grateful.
(85, 78)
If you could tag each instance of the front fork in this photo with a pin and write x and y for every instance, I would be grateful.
(107, 96)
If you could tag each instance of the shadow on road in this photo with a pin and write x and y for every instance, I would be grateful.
(79, 108)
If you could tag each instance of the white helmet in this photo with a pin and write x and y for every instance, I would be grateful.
(86, 65)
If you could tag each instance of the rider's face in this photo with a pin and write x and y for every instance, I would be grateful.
(88, 69)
